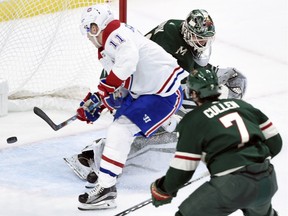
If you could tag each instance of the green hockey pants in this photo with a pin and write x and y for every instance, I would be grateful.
(249, 189)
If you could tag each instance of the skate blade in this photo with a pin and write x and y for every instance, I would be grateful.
(107, 204)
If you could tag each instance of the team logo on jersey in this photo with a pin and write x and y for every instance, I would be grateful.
(146, 118)
(182, 51)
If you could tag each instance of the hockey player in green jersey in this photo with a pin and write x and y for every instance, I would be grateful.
(236, 142)
(190, 42)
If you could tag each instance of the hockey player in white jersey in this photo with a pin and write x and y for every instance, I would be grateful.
(143, 86)
(189, 55)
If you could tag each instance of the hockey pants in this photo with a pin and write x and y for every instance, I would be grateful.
(249, 189)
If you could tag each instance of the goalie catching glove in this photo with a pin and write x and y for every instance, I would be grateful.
(90, 108)
(159, 196)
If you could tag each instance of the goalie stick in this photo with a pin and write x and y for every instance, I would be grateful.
(148, 201)
(39, 112)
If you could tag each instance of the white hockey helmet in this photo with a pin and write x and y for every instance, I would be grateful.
(99, 14)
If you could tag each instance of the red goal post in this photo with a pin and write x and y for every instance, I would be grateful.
(43, 56)
(123, 11)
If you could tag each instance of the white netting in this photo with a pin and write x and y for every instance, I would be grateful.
(43, 54)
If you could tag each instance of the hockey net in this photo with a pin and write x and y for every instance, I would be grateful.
(43, 56)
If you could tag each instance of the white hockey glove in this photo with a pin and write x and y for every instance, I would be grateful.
(234, 80)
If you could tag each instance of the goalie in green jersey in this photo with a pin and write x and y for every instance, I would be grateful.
(236, 142)
(190, 42)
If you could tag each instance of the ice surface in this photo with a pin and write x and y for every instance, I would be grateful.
(251, 36)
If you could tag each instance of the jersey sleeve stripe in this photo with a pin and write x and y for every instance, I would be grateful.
(264, 126)
(268, 129)
(186, 158)
(191, 155)
(185, 161)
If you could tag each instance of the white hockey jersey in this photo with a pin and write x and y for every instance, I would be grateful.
(142, 65)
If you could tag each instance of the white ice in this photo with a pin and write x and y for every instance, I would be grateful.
(251, 36)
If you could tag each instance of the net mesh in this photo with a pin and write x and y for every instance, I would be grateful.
(42, 52)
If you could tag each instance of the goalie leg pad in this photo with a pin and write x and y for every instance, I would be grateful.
(78, 168)
(84, 163)
(92, 179)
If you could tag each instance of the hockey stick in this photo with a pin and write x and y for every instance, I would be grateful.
(118, 93)
(56, 127)
(148, 201)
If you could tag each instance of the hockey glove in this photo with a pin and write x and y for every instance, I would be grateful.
(159, 196)
(111, 97)
(234, 80)
(236, 85)
(89, 109)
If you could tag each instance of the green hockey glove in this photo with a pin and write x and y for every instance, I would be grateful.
(159, 196)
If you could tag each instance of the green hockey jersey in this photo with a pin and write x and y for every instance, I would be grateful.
(224, 134)
(168, 36)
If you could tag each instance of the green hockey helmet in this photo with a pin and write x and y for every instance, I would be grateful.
(198, 30)
(204, 82)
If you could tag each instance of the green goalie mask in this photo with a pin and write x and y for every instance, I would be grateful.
(198, 30)
(204, 82)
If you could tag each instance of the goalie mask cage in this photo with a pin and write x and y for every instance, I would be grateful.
(45, 59)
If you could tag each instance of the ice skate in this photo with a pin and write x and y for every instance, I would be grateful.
(98, 198)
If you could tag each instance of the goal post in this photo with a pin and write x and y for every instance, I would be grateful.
(123, 11)
(43, 56)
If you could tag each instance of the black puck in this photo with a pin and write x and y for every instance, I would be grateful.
(12, 139)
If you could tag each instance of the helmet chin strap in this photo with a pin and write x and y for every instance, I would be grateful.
(93, 39)
(95, 42)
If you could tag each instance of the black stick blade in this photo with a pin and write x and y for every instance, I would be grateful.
(43, 115)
